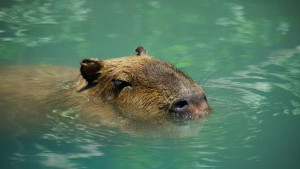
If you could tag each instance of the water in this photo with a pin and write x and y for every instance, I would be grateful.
(245, 54)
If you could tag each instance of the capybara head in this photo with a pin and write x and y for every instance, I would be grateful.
(143, 88)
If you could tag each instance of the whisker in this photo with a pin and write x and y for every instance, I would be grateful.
(178, 60)
(201, 77)
(213, 73)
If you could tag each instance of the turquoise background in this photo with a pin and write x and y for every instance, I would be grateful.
(245, 54)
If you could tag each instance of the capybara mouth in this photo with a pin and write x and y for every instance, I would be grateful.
(186, 116)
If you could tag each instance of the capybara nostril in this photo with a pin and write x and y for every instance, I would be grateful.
(180, 106)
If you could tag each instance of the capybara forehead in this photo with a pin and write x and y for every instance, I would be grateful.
(144, 69)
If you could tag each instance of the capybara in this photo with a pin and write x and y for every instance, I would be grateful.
(113, 92)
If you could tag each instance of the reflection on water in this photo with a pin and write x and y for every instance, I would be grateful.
(237, 29)
(258, 93)
(64, 159)
(38, 22)
(258, 82)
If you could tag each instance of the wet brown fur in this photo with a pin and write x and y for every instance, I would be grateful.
(156, 85)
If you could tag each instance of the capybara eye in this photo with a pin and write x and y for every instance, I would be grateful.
(120, 84)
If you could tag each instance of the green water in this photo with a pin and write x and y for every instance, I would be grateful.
(245, 54)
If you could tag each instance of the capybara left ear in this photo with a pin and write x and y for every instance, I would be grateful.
(90, 69)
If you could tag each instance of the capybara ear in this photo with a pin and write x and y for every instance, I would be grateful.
(140, 50)
(90, 69)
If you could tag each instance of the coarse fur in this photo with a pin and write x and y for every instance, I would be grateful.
(120, 92)
(154, 87)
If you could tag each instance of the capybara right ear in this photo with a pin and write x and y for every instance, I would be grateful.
(140, 50)
(90, 69)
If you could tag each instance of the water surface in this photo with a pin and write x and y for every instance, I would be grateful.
(245, 54)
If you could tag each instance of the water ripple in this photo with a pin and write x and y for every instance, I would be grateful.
(27, 23)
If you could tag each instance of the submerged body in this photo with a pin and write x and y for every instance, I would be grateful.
(115, 92)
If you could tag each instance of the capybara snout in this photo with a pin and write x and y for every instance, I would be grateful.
(190, 107)
(141, 87)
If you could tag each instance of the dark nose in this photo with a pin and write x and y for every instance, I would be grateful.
(191, 107)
